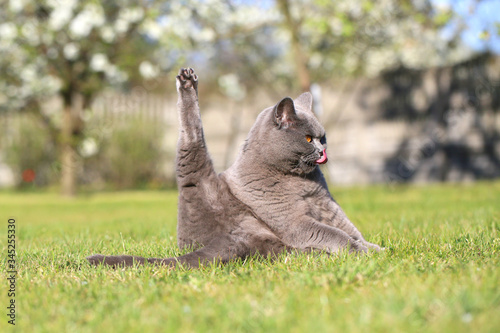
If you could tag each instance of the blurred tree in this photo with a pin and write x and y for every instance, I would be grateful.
(73, 49)
(303, 41)
(297, 45)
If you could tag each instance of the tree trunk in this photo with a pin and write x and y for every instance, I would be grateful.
(69, 140)
(233, 134)
(68, 177)
(299, 55)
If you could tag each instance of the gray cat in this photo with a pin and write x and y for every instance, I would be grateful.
(274, 198)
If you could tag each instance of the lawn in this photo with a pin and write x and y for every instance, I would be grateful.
(440, 272)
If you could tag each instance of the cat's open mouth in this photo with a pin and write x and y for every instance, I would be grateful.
(323, 159)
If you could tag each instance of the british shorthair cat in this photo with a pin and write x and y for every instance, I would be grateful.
(272, 199)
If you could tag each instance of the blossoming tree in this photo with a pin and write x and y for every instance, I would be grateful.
(72, 49)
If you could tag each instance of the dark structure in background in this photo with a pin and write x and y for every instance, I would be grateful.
(454, 112)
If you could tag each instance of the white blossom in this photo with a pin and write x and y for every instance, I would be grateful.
(206, 35)
(80, 26)
(108, 34)
(97, 13)
(71, 51)
(132, 15)
(230, 85)
(28, 73)
(8, 31)
(91, 16)
(53, 84)
(89, 147)
(316, 60)
(148, 70)
(47, 38)
(182, 12)
(152, 29)
(336, 26)
(128, 16)
(181, 29)
(16, 5)
(99, 62)
(121, 26)
(61, 14)
(378, 60)
(115, 75)
(30, 33)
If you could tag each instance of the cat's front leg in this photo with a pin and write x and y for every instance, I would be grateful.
(191, 130)
(311, 234)
(335, 216)
(193, 161)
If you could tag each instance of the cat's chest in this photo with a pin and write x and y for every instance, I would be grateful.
(292, 202)
(276, 192)
(279, 198)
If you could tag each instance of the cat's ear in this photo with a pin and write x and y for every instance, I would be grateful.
(305, 101)
(284, 113)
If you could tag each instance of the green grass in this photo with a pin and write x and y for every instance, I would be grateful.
(440, 272)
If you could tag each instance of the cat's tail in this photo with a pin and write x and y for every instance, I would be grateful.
(129, 261)
(213, 253)
(116, 261)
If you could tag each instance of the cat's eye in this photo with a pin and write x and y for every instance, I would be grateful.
(309, 138)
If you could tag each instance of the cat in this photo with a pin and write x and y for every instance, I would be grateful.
(274, 198)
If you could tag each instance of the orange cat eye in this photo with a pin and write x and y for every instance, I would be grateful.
(309, 138)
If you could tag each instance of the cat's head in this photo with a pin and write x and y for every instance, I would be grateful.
(289, 137)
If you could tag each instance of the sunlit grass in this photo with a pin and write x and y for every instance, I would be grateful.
(440, 271)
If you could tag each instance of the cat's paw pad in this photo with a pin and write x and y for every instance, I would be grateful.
(187, 79)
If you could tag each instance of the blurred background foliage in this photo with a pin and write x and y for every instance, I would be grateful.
(59, 58)
(131, 156)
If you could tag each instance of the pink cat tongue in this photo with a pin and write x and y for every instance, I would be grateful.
(323, 159)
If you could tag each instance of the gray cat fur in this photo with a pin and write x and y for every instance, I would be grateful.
(272, 199)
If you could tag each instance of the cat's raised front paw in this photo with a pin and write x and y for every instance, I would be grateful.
(187, 79)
